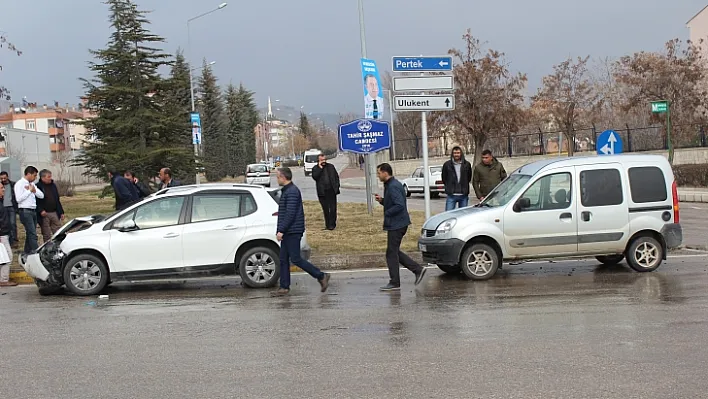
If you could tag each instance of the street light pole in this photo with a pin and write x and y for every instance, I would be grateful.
(367, 157)
(191, 78)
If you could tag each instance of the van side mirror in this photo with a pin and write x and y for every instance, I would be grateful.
(521, 204)
(128, 225)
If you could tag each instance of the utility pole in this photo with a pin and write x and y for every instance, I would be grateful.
(367, 157)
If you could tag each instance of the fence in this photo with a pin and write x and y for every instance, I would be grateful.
(649, 138)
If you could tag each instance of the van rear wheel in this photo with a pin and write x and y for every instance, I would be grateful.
(645, 254)
(610, 259)
(480, 262)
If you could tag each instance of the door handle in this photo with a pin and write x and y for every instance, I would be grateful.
(585, 216)
(171, 235)
(566, 215)
(230, 227)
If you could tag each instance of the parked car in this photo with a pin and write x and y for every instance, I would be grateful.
(178, 232)
(610, 207)
(415, 183)
(258, 173)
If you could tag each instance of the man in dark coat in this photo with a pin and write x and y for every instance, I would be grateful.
(291, 227)
(50, 212)
(125, 191)
(327, 178)
(143, 188)
(487, 175)
(5, 231)
(456, 176)
(10, 204)
(166, 179)
(396, 222)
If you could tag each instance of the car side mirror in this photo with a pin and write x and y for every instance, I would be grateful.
(129, 225)
(521, 204)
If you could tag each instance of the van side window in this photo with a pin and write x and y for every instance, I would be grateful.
(549, 192)
(600, 187)
(647, 184)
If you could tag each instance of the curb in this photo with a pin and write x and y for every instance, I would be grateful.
(351, 186)
(324, 262)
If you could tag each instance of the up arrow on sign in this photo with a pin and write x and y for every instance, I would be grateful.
(609, 143)
(609, 148)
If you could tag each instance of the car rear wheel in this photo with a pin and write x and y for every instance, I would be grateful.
(610, 259)
(480, 262)
(85, 274)
(259, 267)
(645, 254)
(450, 269)
(405, 188)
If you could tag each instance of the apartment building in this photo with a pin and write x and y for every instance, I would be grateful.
(698, 29)
(53, 121)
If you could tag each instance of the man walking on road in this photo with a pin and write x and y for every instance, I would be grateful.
(10, 204)
(487, 174)
(291, 227)
(456, 175)
(5, 230)
(27, 194)
(396, 222)
(327, 178)
(50, 213)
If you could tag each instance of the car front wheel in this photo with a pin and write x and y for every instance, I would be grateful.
(405, 189)
(85, 274)
(480, 262)
(260, 267)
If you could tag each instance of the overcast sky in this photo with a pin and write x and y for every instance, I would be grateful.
(306, 52)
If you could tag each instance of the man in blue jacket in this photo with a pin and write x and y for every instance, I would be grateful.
(396, 222)
(291, 227)
(125, 191)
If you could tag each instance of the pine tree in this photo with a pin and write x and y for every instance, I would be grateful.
(236, 161)
(305, 128)
(133, 126)
(249, 121)
(211, 107)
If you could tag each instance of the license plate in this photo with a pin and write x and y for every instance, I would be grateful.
(422, 248)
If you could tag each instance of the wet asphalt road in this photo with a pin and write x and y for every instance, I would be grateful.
(537, 330)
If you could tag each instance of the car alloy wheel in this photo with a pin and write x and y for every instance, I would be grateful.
(645, 254)
(480, 262)
(259, 267)
(85, 275)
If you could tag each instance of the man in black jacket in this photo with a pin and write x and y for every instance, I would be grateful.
(166, 179)
(327, 178)
(50, 213)
(125, 191)
(291, 227)
(457, 175)
(10, 204)
(143, 188)
(5, 229)
(396, 222)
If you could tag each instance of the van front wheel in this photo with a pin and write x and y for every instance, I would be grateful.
(480, 262)
(645, 254)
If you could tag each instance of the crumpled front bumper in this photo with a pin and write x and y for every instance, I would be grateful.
(33, 267)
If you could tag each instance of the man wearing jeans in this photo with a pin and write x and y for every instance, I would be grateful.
(291, 227)
(396, 222)
(10, 204)
(26, 194)
(457, 175)
(5, 229)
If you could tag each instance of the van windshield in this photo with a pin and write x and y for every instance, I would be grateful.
(311, 158)
(257, 169)
(506, 190)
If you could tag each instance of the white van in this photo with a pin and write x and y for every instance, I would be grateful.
(258, 173)
(310, 160)
(611, 207)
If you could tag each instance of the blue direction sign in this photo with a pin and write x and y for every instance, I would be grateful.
(422, 64)
(609, 143)
(364, 136)
(196, 128)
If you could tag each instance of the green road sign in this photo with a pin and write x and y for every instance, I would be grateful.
(658, 107)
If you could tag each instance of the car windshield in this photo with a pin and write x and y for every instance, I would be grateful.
(435, 169)
(504, 192)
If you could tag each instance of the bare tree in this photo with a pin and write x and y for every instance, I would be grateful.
(678, 75)
(4, 43)
(15, 153)
(488, 96)
(568, 95)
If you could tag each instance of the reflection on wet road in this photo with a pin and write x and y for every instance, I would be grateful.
(551, 330)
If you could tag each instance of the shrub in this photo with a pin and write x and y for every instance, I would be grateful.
(65, 187)
(693, 175)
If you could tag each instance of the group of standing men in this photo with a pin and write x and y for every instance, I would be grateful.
(37, 202)
(128, 188)
(457, 174)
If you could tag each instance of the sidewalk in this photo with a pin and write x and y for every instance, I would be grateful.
(687, 194)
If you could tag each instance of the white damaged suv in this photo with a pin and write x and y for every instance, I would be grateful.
(179, 232)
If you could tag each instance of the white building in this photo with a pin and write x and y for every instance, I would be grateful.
(27, 146)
